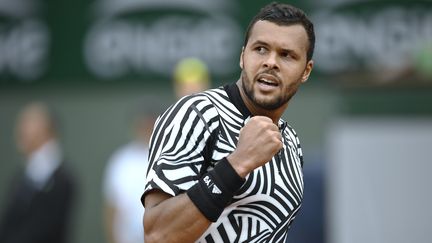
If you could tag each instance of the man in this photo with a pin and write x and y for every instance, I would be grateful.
(224, 167)
(39, 205)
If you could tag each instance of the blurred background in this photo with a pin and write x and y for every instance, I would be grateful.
(364, 117)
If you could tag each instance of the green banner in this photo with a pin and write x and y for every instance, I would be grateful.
(104, 42)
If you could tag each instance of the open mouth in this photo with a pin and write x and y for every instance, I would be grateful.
(267, 82)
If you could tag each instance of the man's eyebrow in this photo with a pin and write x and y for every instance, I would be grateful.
(259, 42)
(288, 50)
(280, 50)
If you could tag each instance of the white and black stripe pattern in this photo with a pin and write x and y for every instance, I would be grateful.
(199, 130)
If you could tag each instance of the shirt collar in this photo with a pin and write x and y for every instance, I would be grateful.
(235, 97)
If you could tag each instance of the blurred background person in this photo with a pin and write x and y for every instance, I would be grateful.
(123, 182)
(38, 206)
(191, 75)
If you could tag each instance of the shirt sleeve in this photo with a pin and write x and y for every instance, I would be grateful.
(177, 144)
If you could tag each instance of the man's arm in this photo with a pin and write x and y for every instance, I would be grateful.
(178, 219)
(172, 219)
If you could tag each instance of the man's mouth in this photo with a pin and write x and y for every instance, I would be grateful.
(267, 82)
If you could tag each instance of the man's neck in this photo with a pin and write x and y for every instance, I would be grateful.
(275, 115)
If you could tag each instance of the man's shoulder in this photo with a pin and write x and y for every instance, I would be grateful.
(290, 129)
(203, 100)
(207, 95)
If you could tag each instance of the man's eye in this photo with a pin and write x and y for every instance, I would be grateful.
(286, 54)
(261, 50)
(289, 55)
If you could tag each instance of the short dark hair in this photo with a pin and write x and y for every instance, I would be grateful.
(285, 14)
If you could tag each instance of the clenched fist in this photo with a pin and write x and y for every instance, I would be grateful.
(258, 142)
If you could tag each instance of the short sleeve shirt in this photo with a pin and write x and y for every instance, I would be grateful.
(195, 133)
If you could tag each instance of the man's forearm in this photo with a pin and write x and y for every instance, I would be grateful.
(172, 219)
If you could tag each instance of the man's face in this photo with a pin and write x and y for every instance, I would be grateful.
(274, 64)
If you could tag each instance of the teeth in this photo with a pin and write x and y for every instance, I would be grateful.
(267, 81)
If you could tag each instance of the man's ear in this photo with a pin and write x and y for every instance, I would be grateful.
(307, 71)
(241, 58)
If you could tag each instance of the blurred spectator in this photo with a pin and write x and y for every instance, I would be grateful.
(123, 184)
(190, 76)
(38, 206)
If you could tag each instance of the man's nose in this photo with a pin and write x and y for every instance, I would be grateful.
(271, 61)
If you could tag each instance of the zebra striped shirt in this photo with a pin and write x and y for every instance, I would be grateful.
(192, 135)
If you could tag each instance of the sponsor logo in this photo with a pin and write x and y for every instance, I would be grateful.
(142, 37)
(207, 181)
(373, 36)
(24, 40)
(216, 190)
(210, 184)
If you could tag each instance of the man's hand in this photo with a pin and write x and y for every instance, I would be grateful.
(259, 141)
